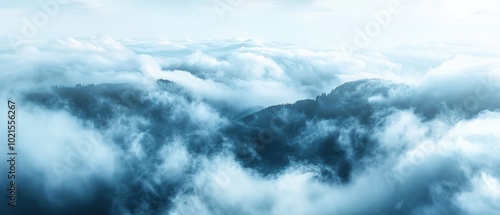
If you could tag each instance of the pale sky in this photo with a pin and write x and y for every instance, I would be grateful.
(320, 22)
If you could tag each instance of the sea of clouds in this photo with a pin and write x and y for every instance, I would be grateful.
(408, 130)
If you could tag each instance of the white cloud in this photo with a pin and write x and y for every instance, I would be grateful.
(421, 165)
(64, 154)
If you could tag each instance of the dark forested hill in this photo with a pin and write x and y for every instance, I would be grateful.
(334, 134)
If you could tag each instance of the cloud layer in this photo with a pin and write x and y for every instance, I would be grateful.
(181, 127)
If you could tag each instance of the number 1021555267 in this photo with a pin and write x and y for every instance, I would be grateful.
(11, 125)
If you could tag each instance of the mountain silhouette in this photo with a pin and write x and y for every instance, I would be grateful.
(331, 133)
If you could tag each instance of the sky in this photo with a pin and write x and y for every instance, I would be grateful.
(319, 22)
